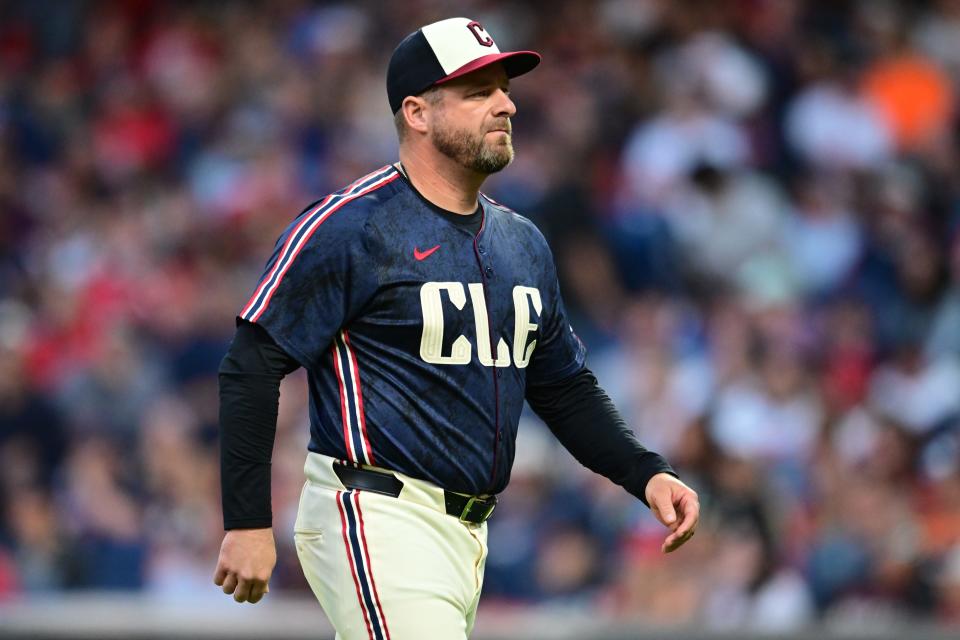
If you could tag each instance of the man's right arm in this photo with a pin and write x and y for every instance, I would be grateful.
(250, 376)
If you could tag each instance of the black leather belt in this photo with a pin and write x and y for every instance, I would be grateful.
(467, 508)
(367, 480)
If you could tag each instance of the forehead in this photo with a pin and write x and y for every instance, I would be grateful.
(492, 74)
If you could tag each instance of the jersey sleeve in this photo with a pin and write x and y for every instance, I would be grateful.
(560, 353)
(318, 278)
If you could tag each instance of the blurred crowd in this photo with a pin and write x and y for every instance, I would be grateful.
(755, 208)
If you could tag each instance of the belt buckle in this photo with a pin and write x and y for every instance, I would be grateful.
(467, 508)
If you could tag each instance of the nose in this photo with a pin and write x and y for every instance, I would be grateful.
(504, 108)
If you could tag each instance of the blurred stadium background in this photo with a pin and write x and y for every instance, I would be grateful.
(755, 208)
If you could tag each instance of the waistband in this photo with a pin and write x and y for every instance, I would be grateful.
(320, 470)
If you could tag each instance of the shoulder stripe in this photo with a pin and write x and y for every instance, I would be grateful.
(292, 246)
(304, 229)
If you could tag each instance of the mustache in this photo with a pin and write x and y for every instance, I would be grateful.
(502, 125)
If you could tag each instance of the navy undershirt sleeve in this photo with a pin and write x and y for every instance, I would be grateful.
(588, 425)
(250, 375)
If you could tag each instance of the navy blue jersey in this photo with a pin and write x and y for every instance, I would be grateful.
(419, 338)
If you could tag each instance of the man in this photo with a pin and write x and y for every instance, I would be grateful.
(425, 313)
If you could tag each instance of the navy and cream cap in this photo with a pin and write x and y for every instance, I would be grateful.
(446, 50)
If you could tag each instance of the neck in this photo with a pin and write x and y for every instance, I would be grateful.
(440, 179)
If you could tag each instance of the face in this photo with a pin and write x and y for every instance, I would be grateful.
(470, 123)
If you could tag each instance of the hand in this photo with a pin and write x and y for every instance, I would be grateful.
(666, 495)
(247, 558)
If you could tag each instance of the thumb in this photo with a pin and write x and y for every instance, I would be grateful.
(663, 506)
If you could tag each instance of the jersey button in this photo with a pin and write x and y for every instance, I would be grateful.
(499, 373)
(489, 272)
(483, 250)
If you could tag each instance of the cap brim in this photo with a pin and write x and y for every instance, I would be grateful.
(515, 63)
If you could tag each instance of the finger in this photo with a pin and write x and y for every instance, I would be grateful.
(230, 583)
(243, 590)
(675, 541)
(257, 590)
(689, 515)
(663, 509)
(220, 575)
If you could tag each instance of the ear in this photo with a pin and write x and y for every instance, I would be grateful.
(415, 113)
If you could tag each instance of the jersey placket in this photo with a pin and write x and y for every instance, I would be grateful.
(486, 271)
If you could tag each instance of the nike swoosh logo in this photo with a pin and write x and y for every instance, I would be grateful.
(423, 255)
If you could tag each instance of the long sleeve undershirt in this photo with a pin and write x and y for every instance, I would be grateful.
(250, 376)
(588, 425)
(576, 409)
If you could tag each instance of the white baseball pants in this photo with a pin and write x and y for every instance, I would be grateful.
(387, 568)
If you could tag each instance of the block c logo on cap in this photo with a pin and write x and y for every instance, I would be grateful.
(480, 33)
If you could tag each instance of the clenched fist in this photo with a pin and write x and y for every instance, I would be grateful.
(247, 558)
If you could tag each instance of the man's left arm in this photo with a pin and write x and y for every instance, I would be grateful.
(586, 422)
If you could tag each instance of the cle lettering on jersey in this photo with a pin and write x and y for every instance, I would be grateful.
(431, 343)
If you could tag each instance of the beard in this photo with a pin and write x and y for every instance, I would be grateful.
(473, 151)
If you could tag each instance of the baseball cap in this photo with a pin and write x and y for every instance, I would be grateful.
(445, 50)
